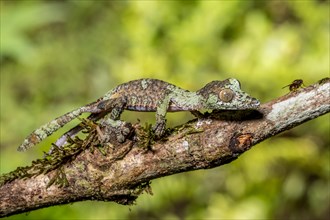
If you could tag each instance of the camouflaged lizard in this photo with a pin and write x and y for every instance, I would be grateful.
(149, 95)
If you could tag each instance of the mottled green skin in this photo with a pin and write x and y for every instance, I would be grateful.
(148, 95)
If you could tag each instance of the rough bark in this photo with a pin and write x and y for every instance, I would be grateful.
(123, 171)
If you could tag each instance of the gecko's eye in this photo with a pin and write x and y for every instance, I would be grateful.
(226, 95)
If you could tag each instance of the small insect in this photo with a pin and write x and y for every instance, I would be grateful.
(324, 80)
(295, 85)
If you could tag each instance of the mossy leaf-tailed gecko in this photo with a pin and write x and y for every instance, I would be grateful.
(149, 95)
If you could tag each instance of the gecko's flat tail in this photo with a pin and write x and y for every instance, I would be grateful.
(29, 142)
(47, 129)
(22, 148)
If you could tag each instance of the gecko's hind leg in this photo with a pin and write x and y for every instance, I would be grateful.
(111, 124)
(115, 129)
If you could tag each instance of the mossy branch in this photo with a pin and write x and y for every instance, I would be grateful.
(121, 172)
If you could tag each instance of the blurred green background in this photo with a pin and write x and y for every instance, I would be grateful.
(59, 55)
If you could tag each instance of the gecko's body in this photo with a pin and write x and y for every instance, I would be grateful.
(149, 95)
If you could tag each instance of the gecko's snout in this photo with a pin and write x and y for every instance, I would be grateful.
(254, 102)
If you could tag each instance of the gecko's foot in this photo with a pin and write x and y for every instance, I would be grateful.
(159, 130)
(115, 129)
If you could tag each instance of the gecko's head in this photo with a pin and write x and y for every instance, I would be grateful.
(227, 95)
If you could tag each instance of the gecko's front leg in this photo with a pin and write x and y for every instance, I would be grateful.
(159, 127)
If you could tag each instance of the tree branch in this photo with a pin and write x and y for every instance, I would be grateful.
(123, 171)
